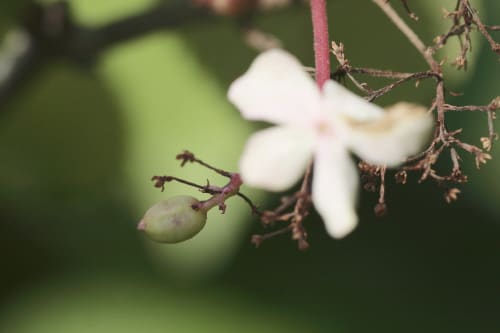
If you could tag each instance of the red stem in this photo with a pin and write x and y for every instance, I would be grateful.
(321, 41)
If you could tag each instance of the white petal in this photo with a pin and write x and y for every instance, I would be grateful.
(334, 188)
(275, 158)
(399, 134)
(339, 100)
(276, 89)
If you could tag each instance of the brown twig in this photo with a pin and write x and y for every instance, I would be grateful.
(219, 194)
(495, 47)
(186, 156)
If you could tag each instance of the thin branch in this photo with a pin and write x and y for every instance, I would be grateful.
(381, 207)
(495, 47)
(253, 207)
(493, 27)
(380, 73)
(161, 180)
(407, 31)
(186, 156)
(416, 76)
(257, 240)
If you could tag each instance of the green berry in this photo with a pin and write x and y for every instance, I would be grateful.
(173, 220)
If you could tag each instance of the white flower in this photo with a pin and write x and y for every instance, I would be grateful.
(324, 125)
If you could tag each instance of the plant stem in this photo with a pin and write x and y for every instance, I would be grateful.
(219, 198)
(321, 41)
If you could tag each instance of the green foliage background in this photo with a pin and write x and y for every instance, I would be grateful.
(79, 146)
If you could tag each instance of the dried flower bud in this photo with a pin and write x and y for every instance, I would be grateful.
(496, 48)
(482, 158)
(370, 186)
(380, 209)
(486, 142)
(451, 195)
(256, 240)
(460, 62)
(173, 220)
(401, 177)
(495, 103)
(364, 167)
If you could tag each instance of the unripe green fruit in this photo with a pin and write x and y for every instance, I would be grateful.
(173, 220)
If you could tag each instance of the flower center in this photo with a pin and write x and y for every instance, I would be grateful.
(323, 128)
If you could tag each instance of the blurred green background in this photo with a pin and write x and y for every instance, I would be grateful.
(79, 146)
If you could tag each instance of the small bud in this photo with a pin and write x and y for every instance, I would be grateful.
(486, 143)
(303, 244)
(482, 158)
(460, 62)
(496, 48)
(495, 104)
(173, 220)
(256, 240)
(380, 209)
(401, 177)
(451, 195)
(370, 186)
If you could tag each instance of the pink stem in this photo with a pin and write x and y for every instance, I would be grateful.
(226, 192)
(321, 41)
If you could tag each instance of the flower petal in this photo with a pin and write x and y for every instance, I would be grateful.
(339, 100)
(276, 89)
(400, 133)
(275, 158)
(334, 188)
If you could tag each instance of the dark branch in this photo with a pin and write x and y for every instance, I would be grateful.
(48, 32)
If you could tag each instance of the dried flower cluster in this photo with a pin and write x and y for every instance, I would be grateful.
(464, 20)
